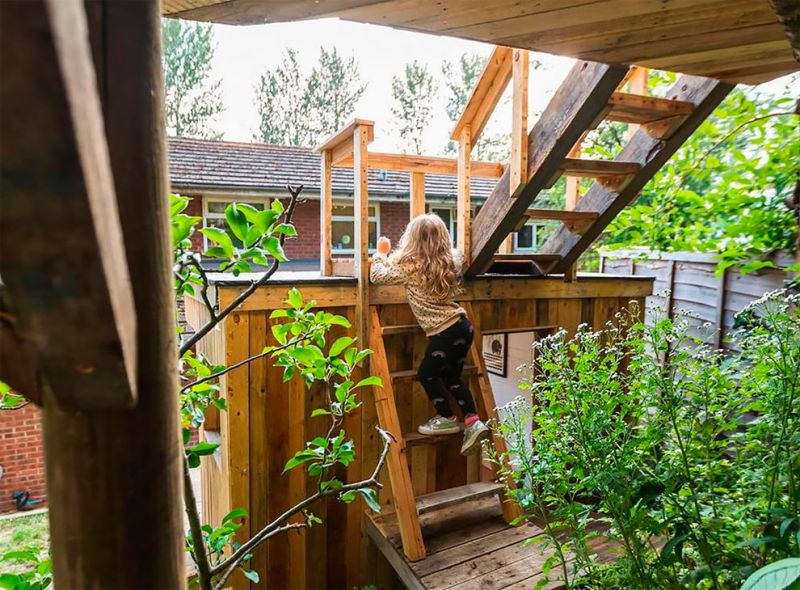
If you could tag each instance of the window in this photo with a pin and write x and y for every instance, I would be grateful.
(448, 215)
(527, 238)
(343, 228)
(214, 215)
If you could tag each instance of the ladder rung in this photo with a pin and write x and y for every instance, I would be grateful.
(452, 496)
(415, 439)
(594, 168)
(640, 110)
(404, 329)
(561, 215)
(412, 373)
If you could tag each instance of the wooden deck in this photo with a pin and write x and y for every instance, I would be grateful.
(470, 547)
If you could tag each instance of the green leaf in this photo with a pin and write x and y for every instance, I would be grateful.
(273, 245)
(320, 412)
(220, 237)
(286, 229)
(299, 458)
(277, 206)
(236, 221)
(338, 320)
(295, 299)
(204, 448)
(780, 575)
(340, 344)
(371, 498)
(251, 575)
(233, 514)
(374, 381)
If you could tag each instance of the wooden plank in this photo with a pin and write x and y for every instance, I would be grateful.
(463, 203)
(573, 188)
(325, 210)
(633, 108)
(427, 164)
(401, 329)
(486, 94)
(519, 120)
(705, 94)
(579, 101)
(639, 82)
(273, 296)
(397, 462)
(598, 168)
(417, 194)
(400, 565)
(346, 134)
(75, 307)
(260, 453)
(459, 495)
(361, 231)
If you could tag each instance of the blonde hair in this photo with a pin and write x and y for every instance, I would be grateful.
(427, 242)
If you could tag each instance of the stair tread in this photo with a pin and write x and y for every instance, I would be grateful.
(640, 110)
(526, 257)
(414, 439)
(592, 168)
(453, 496)
(400, 329)
(412, 373)
(561, 214)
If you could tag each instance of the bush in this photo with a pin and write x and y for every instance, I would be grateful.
(642, 437)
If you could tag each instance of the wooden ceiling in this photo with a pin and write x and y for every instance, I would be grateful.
(733, 40)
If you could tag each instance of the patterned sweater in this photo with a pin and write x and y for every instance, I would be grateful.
(433, 314)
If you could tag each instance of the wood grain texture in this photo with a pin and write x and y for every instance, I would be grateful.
(463, 202)
(325, 210)
(417, 194)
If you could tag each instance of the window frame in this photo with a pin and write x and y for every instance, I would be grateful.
(534, 245)
(351, 218)
(453, 214)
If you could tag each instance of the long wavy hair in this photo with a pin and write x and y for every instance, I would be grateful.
(426, 241)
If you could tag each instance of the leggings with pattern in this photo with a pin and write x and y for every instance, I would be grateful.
(442, 366)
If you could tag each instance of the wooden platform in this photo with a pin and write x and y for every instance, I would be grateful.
(470, 547)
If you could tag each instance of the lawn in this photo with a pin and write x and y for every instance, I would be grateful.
(21, 532)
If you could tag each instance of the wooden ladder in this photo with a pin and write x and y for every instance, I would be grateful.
(408, 507)
(589, 95)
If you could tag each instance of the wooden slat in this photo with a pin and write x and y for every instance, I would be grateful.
(401, 329)
(574, 221)
(705, 94)
(463, 203)
(633, 108)
(580, 100)
(325, 209)
(598, 168)
(427, 164)
(519, 120)
(486, 94)
(361, 138)
(74, 303)
(526, 257)
(417, 194)
(397, 462)
(344, 136)
(406, 374)
(453, 496)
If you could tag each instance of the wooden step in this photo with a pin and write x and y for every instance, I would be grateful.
(415, 439)
(453, 496)
(412, 373)
(400, 329)
(544, 258)
(598, 168)
(640, 110)
(576, 221)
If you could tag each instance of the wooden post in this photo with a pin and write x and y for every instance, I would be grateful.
(114, 476)
(325, 209)
(638, 80)
(519, 121)
(361, 233)
(463, 212)
(573, 197)
(417, 204)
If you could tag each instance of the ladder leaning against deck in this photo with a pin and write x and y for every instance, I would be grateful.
(407, 506)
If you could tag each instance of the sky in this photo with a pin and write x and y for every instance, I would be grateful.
(243, 54)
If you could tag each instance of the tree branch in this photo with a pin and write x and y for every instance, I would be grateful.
(227, 567)
(200, 334)
(198, 545)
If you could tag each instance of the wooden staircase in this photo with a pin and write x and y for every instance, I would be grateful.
(408, 507)
(589, 94)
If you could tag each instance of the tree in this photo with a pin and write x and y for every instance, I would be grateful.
(413, 96)
(335, 86)
(192, 96)
(298, 109)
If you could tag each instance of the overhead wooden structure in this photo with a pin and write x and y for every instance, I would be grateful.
(731, 40)
(428, 471)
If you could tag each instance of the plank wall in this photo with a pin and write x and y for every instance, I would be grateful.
(268, 420)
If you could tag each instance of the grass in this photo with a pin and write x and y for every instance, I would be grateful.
(19, 533)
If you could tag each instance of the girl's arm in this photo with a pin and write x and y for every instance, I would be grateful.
(384, 271)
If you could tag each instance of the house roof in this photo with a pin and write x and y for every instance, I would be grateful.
(207, 164)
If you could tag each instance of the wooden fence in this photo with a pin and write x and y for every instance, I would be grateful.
(689, 281)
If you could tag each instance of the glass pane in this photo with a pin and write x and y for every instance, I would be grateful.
(444, 214)
(372, 240)
(341, 235)
(525, 237)
(349, 210)
(454, 233)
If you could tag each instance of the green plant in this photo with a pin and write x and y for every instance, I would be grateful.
(684, 459)
(781, 575)
(38, 574)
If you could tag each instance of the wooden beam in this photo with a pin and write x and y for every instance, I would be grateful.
(345, 135)
(59, 217)
(704, 94)
(788, 14)
(633, 108)
(639, 82)
(101, 489)
(486, 94)
(579, 101)
(427, 164)
(361, 138)
(417, 192)
(519, 121)
(325, 211)
(463, 204)
(573, 188)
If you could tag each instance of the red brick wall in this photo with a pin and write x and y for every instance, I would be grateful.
(22, 456)
(196, 208)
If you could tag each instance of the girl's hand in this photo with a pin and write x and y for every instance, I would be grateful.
(384, 245)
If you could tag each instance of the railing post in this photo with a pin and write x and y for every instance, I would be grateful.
(361, 233)
(325, 209)
(417, 204)
(519, 121)
(463, 205)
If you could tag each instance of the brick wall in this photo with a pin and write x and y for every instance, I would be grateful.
(22, 456)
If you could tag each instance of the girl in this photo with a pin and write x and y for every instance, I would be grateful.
(425, 263)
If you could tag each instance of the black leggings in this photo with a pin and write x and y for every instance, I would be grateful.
(442, 367)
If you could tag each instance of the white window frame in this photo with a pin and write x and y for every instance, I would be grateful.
(351, 218)
(453, 214)
(533, 248)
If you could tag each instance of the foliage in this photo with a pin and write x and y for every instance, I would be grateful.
(38, 573)
(30, 531)
(726, 188)
(9, 399)
(684, 459)
(412, 105)
(299, 109)
(781, 575)
(193, 98)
